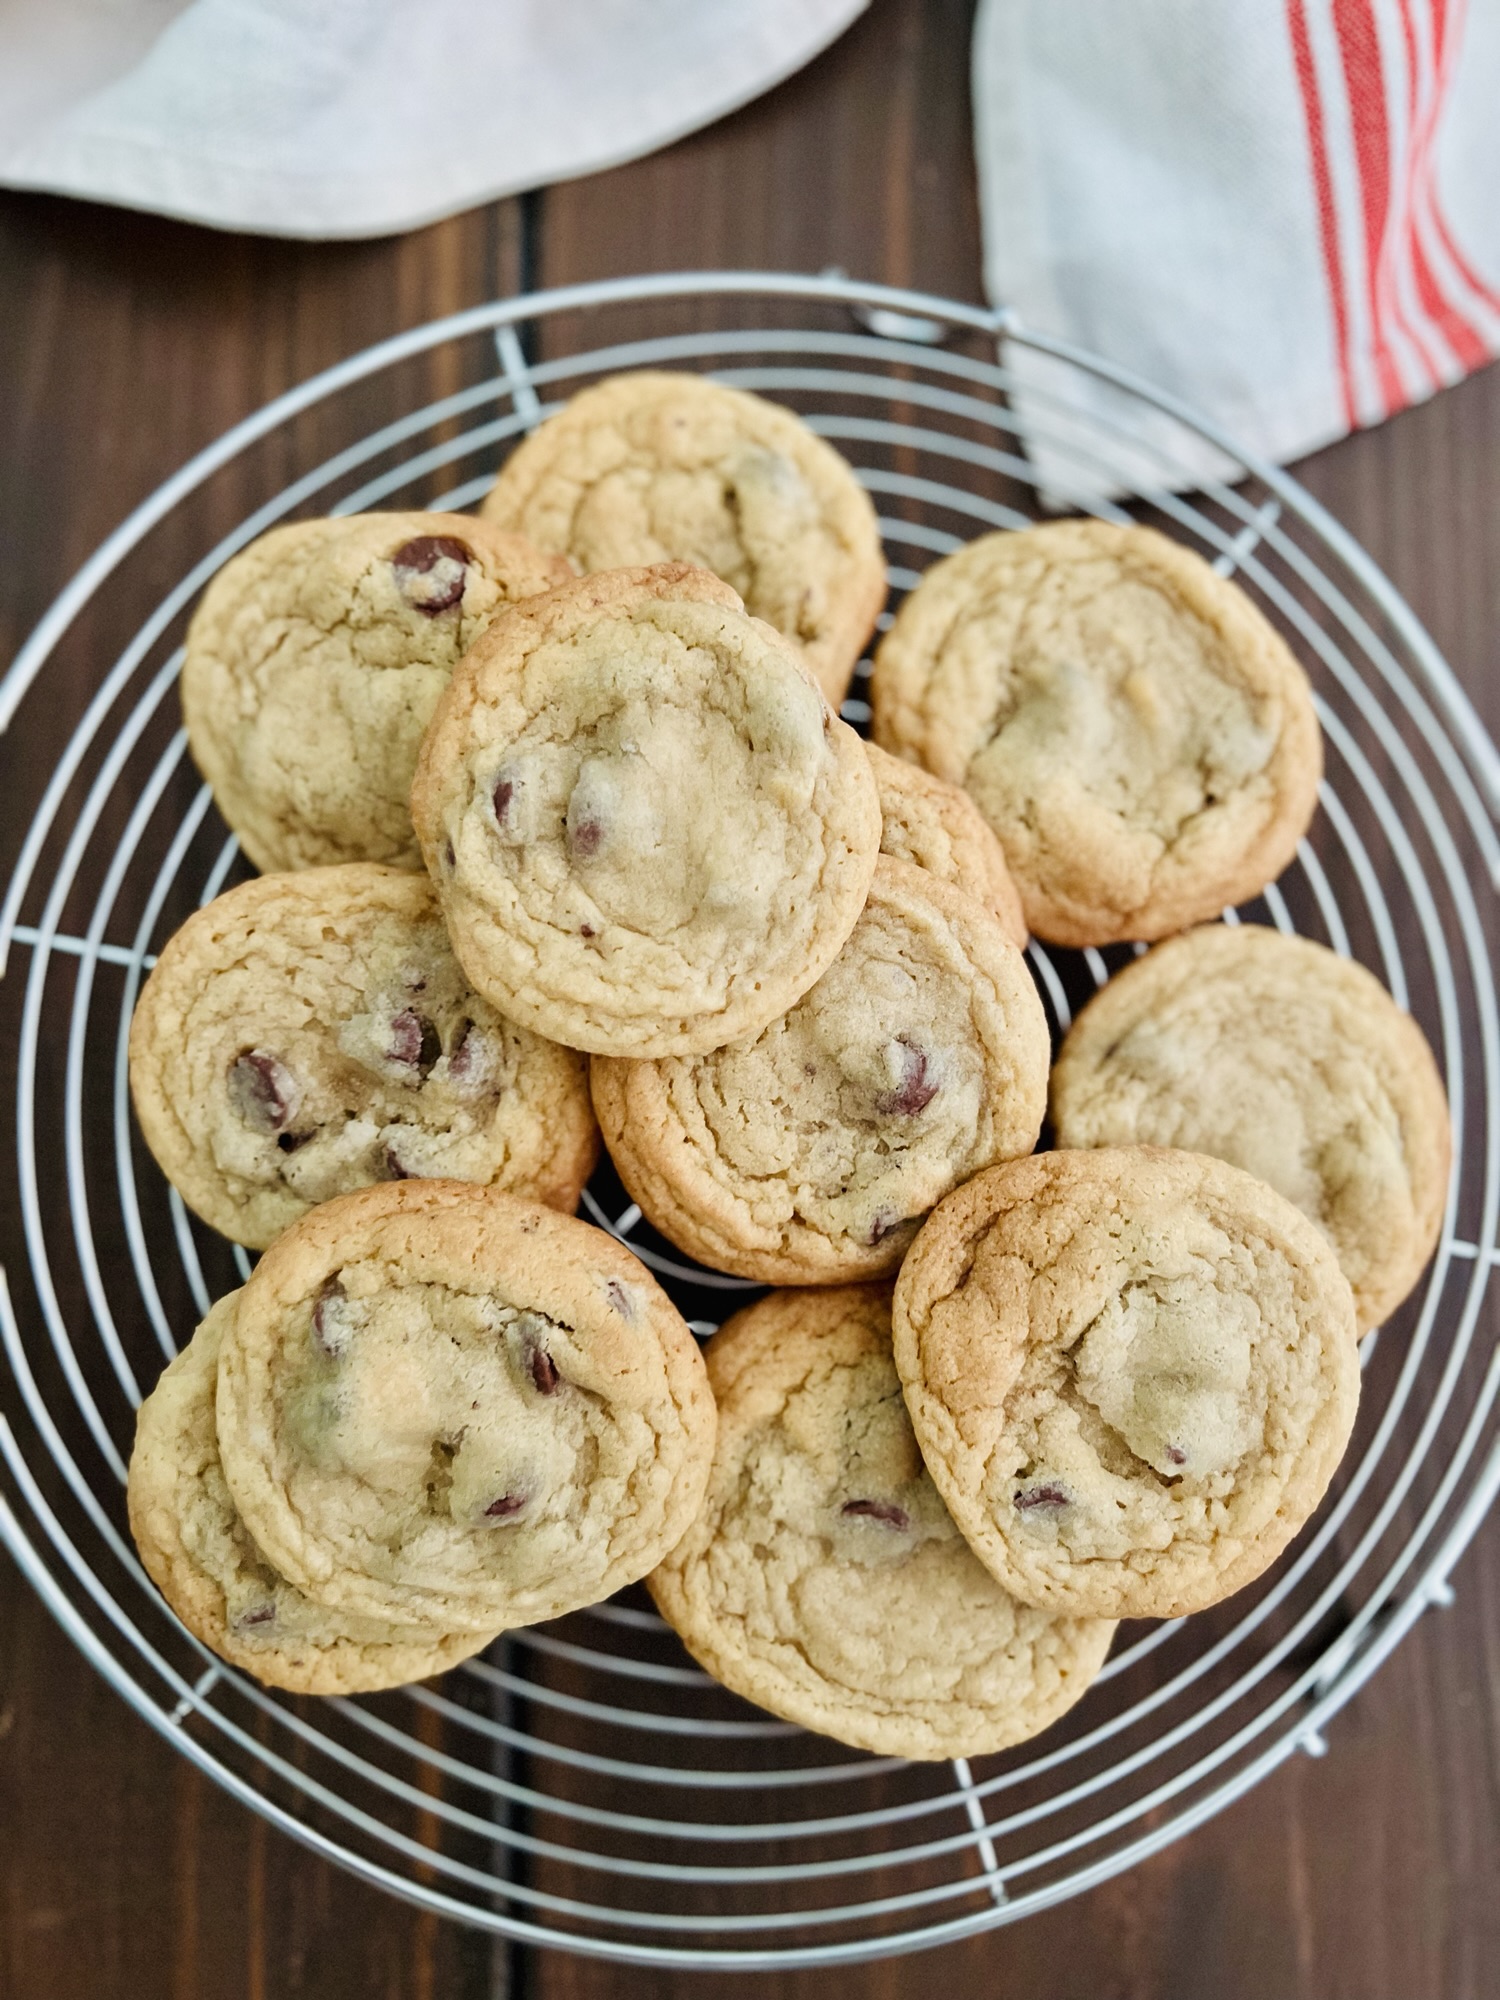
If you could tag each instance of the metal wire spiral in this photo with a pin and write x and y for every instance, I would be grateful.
(583, 1784)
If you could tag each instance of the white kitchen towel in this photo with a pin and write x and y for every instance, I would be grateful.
(359, 117)
(1286, 212)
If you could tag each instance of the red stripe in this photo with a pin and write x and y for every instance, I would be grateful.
(1443, 62)
(1418, 114)
(1328, 224)
(1460, 335)
(1364, 80)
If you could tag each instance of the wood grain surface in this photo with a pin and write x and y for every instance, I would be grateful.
(125, 344)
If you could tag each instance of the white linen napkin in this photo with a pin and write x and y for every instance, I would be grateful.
(360, 117)
(1286, 212)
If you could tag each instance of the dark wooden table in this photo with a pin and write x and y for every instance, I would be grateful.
(125, 344)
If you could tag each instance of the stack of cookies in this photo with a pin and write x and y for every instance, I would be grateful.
(564, 834)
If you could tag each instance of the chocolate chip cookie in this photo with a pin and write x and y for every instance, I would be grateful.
(809, 1153)
(824, 1577)
(649, 834)
(441, 1405)
(936, 826)
(1277, 1055)
(1131, 726)
(198, 1553)
(308, 1034)
(1132, 1373)
(313, 663)
(652, 467)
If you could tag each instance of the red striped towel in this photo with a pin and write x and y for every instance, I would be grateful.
(1286, 211)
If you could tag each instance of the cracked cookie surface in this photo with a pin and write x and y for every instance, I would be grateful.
(824, 1578)
(1279, 1056)
(1136, 732)
(1132, 1372)
(809, 1153)
(313, 664)
(441, 1405)
(201, 1557)
(937, 826)
(307, 1034)
(649, 834)
(655, 467)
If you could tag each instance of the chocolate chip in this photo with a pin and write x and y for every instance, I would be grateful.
(414, 1041)
(585, 837)
(502, 795)
(885, 1511)
(404, 1040)
(394, 1171)
(1176, 1455)
(505, 1507)
(1042, 1496)
(528, 1332)
(914, 1092)
(467, 1061)
(329, 1328)
(476, 1061)
(263, 1093)
(450, 859)
(544, 1375)
(431, 572)
(882, 1226)
(587, 931)
(261, 1614)
(619, 1298)
(290, 1141)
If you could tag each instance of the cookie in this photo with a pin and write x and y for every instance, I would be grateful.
(307, 1034)
(199, 1554)
(1279, 1056)
(313, 663)
(936, 826)
(441, 1405)
(649, 834)
(824, 1578)
(809, 1153)
(1132, 1373)
(1131, 726)
(648, 468)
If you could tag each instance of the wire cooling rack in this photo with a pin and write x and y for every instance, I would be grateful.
(583, 1784)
